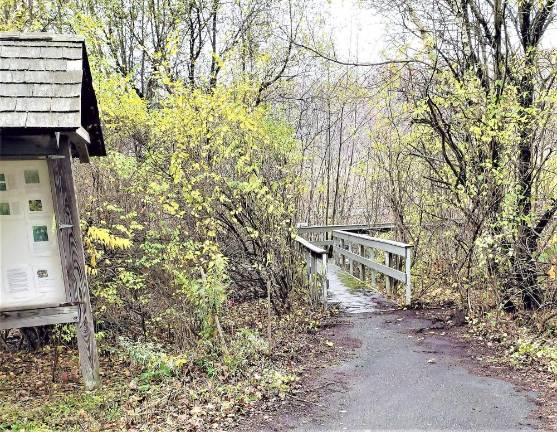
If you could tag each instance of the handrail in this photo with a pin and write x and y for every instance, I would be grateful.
(391, 246)
(378, 239)
(310, 246)
(313, 255)
(343, 247)
(356, 227)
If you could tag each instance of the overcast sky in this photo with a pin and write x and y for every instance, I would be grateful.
(359, 33)
(362, 34)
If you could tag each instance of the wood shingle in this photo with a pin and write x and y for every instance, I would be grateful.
(45, 83)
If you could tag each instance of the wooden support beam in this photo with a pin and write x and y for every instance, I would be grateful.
(342, 255)
(408, 264)
(38, 317)
(350, 261)
(81, 139)
(324, 279)
(22, 146)
(388, 280)
(362, 266)
(313, 278)
(73, 260)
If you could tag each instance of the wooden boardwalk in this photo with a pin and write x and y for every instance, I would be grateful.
(359, 254)
(349, 299)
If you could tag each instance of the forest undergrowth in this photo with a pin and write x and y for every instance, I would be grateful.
(147, 388)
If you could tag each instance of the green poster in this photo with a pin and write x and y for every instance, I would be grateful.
(31, 176)
(35, 205)
(40, 233)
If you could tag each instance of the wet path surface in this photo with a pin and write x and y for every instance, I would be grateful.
(350, 300)
(394, 383)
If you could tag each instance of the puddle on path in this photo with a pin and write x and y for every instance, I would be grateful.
(352, 300)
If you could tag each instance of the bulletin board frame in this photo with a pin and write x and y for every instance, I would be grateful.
(57, 150)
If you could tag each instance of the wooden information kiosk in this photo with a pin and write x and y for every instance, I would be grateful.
(48, 115)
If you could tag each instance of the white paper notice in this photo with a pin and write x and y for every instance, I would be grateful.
(44, 279)
(18, 280)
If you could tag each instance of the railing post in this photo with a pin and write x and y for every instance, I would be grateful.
(313, 278)
(362, 266)
(350, 260)
(324, 278)
(388, 282)
(373, 272)
(408, 263)
(341, 254)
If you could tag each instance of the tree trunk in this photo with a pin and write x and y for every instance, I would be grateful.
(523, 266)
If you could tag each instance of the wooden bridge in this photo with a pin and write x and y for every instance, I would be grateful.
(354, 251)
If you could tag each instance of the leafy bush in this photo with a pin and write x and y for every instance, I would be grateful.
(198, 194)
(247, 346)
(526, 351)
(155, 363)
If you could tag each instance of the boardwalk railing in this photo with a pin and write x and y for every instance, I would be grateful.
(359, 251)
(316, 261)
(322, 235)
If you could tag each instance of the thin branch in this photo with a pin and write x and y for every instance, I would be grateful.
(357, 64)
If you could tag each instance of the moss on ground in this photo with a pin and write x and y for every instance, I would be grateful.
(353, 283)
